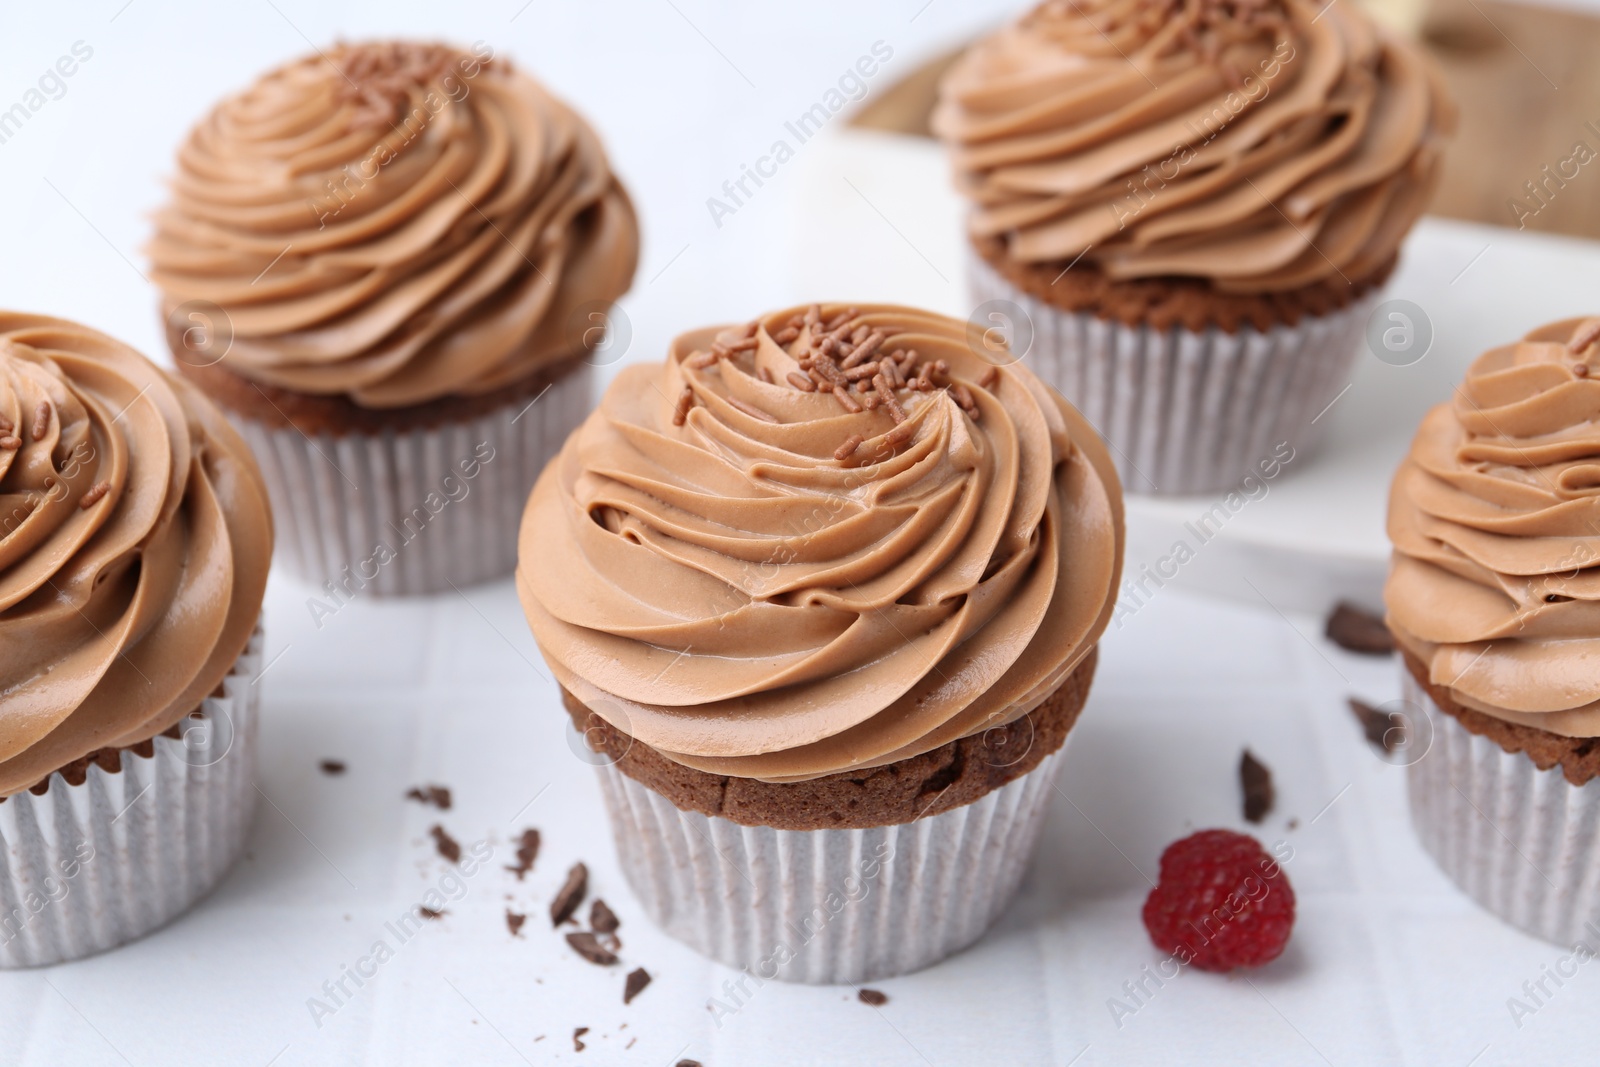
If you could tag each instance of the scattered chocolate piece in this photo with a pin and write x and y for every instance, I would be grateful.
(1360, 631)
(687, 1063)
(41, 420)
(1294, 824)
(848, 449)
(873, 997)
(527, 852)
(602, 920)
(514, 922)
(10, 444)
(332, 767)
(1256, 781)
(634, 984)
(680, 414)
(990, 378)
(1584, 338)
(429, 913)
(1377, 724)
(95, 494)
(577, 1035)
(801, 382)
(448, 846)
(589, 947)
(749, 409)
(437, 795)
(570, 896)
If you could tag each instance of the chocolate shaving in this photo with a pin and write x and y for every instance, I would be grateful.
(801, 382)
(1355, 630)
(685, 401)
(589, 947)
(872, 997)
(570, 896)
(602, 920)
(578, 1033)
(514, 921)
(437, 795)
(846, 450)
(527, 852)
(1256, 781)
(634, 984)
(332, 767)
(448, 846)
(1377, 725)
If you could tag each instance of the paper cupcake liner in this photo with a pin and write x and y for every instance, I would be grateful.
(416, 512)
(85, 868)
(1523, 843)
(1188, 412)
(828, 906)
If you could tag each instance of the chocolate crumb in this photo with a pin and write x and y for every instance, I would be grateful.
(527, 852)
(332, 767)
(429, 913)
(872, 997)
(1294, 824)
(1360, 631)
(602, 920)
(437, 795)
(1256, 781)
(634, 984)
(570, 896)
(687, 1063)
(589, 947)
(1377, 725)
(514, 922)
(577, 1035)
(448, 846)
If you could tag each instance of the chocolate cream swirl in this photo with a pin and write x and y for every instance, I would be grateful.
(1495, 519)
(395, 223)
(763, 575)
(134, 543)
(1263, 145)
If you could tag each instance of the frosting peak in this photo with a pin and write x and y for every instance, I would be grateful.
(1260, 144)
(395, 222)
(134, 545)
(829, 539)
(1495, 519)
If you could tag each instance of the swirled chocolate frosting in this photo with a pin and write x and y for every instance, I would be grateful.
(395, 223)
(827, 539)
(1262, 145)
(1495, 519)
(134, 543)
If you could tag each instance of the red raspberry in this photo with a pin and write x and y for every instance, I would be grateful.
(1222, 902)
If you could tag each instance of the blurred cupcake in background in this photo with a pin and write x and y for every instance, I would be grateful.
(1494, 599)
(1195, 203)
(389, 264)
(823, 592)
(135, 539)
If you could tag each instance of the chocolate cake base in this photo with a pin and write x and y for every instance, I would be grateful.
(948, 777)
(1578, 757)
(1162, 303)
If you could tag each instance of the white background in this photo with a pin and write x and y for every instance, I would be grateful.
(1388, 964)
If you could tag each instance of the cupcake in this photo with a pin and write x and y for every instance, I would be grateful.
(134, 543)
(822, 593)
(1191, 209)
(1494, 599)
(391, 265)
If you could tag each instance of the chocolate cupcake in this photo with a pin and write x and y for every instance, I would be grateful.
(134, 543)
(1194, 206)
(823, 593)
(1494, 599)
(390, 265)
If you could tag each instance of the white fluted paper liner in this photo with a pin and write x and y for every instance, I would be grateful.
(85, 868)
(828, 906)
(416, 512)
(1523, 843)
(1188, 412)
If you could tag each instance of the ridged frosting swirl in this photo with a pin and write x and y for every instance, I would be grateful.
(1262, 145)
(134, 544)
(827, 539)
(395, 223)
(1495, 518)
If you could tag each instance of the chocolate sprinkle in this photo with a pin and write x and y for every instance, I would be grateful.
(602, 920)
(634, 984)
(437, 795)
(1360, 631)
(514, 922)
(448, 846)
(429, 913)
(1256, 781)
(571, 895)
(589, 947)
(578, 1033)
(846, 450)
(687, 1063)
(332, 767)
(872, 997)
(1377, 725)
(527, 852)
